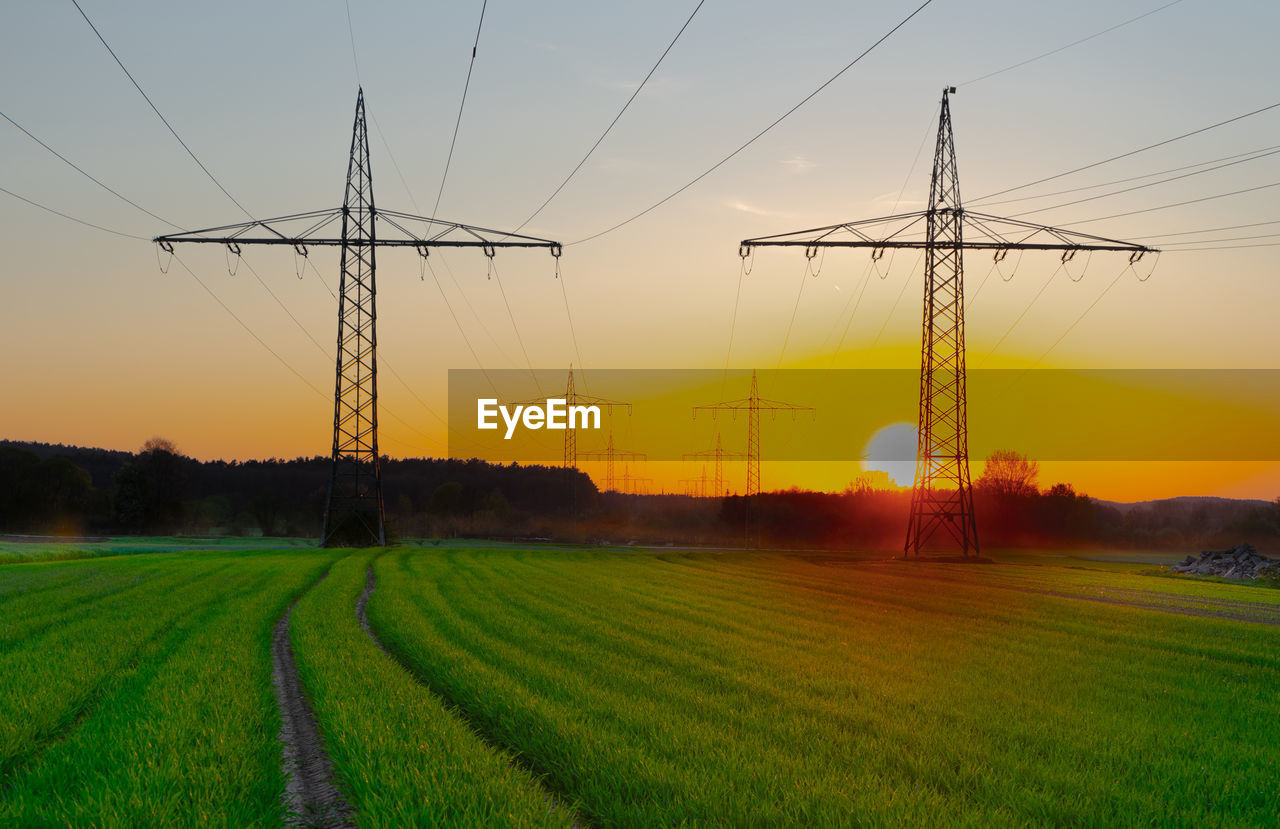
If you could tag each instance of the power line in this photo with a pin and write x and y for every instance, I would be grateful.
(1142, 186)
(409, 388)
(185, 267)
(156, 110)
(247, 329)
(1211, 230)
(1033, 301)
(412, 200)
(458, 323)
(733, 321)
(1224, 239)
(1131, 152)
(1175, 204)
(856, 302)
(1069, 45)
(319, 276)
(1072, 326)
(75, 167)
(285, 308)
(493, 269)
(252, 270)
(866, 276)
(762, 132)
(1228, 247)
(573, 334)
(351, 32)
(409, 192)
(615, 120)
(906, 283)
(73, 218)
(804, 278)
(1256, 153)
(461, 107)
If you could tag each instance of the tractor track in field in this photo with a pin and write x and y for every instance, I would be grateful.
(311, 796)
(553, 800)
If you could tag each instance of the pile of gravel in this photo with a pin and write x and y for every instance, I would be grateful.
(1242, 562)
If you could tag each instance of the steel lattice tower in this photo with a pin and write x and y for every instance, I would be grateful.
(570, 435)
(609, 454)
(354, 513)
(719, 455)
(753, 403)
(354, 506)
(573, 398)
(942, 497)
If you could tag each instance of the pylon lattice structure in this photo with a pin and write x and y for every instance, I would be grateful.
(354, 513)
(718, 454)
(633, 484)
(753, 404)
(610, 454)
(942, 495)
(696, 487)
(573, 397)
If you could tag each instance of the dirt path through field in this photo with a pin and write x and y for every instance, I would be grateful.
(311, 798)
(371, 584)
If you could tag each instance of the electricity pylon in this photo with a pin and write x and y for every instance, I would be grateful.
(573, 398)
(696, 487)
(719, 455)
(609, 454)
(942, 495)
(633, 484)
(354, 512)
(754, 404)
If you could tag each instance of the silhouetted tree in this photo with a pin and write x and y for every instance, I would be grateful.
(1008, 473)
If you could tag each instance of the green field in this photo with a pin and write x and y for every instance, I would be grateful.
(560, 686)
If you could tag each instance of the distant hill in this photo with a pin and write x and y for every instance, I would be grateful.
(1186, 502)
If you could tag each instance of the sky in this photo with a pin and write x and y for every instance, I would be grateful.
(107, 350)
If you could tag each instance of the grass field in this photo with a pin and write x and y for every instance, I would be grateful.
(554, 686)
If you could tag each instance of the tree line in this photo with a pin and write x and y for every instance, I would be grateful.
(65, 490)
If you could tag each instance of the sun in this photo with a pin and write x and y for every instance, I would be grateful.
(892, 449)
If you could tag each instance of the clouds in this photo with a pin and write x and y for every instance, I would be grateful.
(798, 164)
(743, 207)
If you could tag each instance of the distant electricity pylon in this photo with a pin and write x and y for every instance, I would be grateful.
(942, 495)
(718, 454)
(696, 487)
(609, 455)
(633, 484)
(753, 404)
(573, 398)
(354, 511)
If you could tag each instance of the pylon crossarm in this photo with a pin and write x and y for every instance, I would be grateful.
(980, 232)
(305, 229)
(578, 400)
(759, 403)
(617, 454)
(817, 233)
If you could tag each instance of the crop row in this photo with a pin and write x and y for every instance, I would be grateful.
(402, 758)
(157, 708)
(762, 689)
